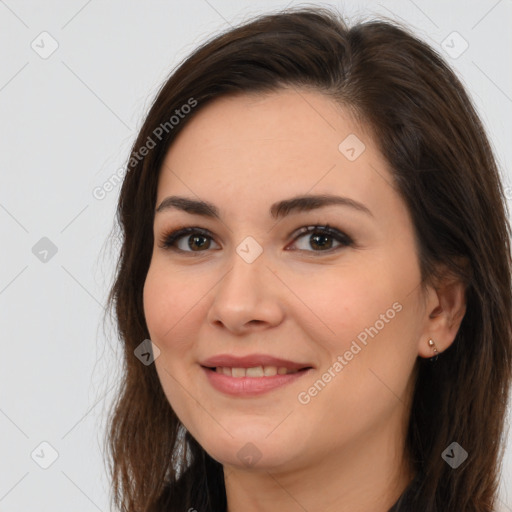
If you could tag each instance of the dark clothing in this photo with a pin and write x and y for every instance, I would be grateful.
(217, 499)
(405, 502)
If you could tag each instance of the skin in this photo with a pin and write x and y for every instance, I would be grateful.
(243, 153)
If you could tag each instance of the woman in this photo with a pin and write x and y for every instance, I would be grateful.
(316, 244)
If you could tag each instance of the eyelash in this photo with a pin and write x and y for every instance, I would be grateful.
(169, 239)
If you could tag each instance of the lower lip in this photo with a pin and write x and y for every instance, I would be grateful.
(250, 386)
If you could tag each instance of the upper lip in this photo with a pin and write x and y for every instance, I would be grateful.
(252, 360)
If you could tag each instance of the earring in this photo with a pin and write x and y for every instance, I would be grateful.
(433, 345)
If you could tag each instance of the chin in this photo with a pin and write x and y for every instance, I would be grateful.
(252, 451)
(250, 457)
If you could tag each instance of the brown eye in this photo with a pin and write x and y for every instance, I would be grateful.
(187, 240)
(196, 240)
(322, 237)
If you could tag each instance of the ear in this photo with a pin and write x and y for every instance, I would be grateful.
(444, 311)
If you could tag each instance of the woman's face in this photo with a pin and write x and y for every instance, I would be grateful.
(346, 303)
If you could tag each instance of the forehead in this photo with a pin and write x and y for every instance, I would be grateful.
(262, 148)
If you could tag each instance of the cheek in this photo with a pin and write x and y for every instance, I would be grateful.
(366, 314)
(157, 303)
(167, 300)
(366, 365)
(168, 311)
(340, 302)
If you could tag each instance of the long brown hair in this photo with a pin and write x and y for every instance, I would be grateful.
(428, 131)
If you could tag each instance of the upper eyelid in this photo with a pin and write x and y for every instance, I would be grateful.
(303, 231)
(188, 230)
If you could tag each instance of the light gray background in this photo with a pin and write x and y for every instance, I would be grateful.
(67, 122)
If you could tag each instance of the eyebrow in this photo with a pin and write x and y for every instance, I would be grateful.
(277, 210)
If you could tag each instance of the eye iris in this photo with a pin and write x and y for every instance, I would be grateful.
(195, 238)
(316, 237)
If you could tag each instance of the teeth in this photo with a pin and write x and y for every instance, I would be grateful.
(256, 371)
(269, 371)
(238, 372)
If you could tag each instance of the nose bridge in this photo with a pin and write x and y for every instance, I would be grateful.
(246, 275)
(246, 293)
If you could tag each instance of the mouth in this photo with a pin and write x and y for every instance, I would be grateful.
(251, 376)
(255, 371)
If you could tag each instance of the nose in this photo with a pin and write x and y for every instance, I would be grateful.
(247, 298)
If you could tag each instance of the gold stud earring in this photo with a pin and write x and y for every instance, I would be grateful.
(433, 345)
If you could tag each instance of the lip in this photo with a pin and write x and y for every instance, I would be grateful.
(250, 386)
(252, 360)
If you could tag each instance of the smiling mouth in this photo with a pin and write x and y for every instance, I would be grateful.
(255, 371)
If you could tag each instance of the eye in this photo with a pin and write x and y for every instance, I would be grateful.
(197, 240)
(320, 236)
